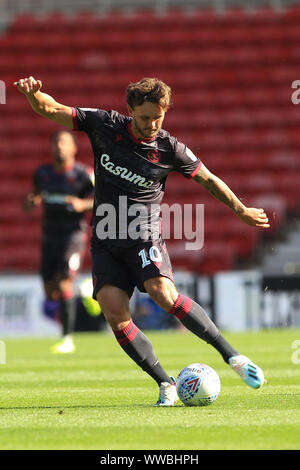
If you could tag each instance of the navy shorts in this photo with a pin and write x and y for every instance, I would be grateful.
(62, 254)
(127, 267)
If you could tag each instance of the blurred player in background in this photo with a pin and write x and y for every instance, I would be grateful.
(65, 187)
(133, 157)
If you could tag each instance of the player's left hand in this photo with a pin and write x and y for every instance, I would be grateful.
(77, 203)
(254, 217)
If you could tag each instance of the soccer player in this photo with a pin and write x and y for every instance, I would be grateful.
(133, 157)
(65, 187)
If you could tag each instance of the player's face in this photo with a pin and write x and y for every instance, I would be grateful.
(64, 149)
(147, 120)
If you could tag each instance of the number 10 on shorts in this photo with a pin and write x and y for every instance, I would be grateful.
(154, 255)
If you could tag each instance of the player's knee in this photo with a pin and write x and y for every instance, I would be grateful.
(116, 316)
(52, 296)
(115, 307)
(65, 287)
(116, 321)
(163, 291)
(51, 291)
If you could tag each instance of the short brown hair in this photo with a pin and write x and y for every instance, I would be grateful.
(148, 89)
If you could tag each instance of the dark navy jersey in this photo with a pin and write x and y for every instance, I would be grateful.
(54, 186)
(126, 167)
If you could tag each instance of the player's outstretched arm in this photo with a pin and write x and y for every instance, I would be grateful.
(220, 190)
(44, 104)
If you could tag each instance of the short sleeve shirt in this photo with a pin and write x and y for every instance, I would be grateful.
(54, 187)
(126, 167)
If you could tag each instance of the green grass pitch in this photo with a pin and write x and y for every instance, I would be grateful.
(97, 398)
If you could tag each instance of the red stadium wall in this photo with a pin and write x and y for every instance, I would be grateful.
(231, 77)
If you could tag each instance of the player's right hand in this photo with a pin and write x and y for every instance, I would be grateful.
(31, 201)
(28, 86)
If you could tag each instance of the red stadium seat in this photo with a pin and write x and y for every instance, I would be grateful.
(20, 235)
(214, 257)
(16, 258)
(231, 79)
(10, 190)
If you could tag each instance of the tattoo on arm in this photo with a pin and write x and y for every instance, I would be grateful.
(219, 189)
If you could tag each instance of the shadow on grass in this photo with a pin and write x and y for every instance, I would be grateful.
(70, 407)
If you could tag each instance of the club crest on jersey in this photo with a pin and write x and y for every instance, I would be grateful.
(153, 155)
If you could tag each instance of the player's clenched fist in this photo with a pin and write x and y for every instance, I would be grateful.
(28, 85)
(44, 104)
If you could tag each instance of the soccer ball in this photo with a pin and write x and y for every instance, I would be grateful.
(198, 385)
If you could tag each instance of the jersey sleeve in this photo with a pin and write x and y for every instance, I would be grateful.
(186, 162)
(85, 119)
